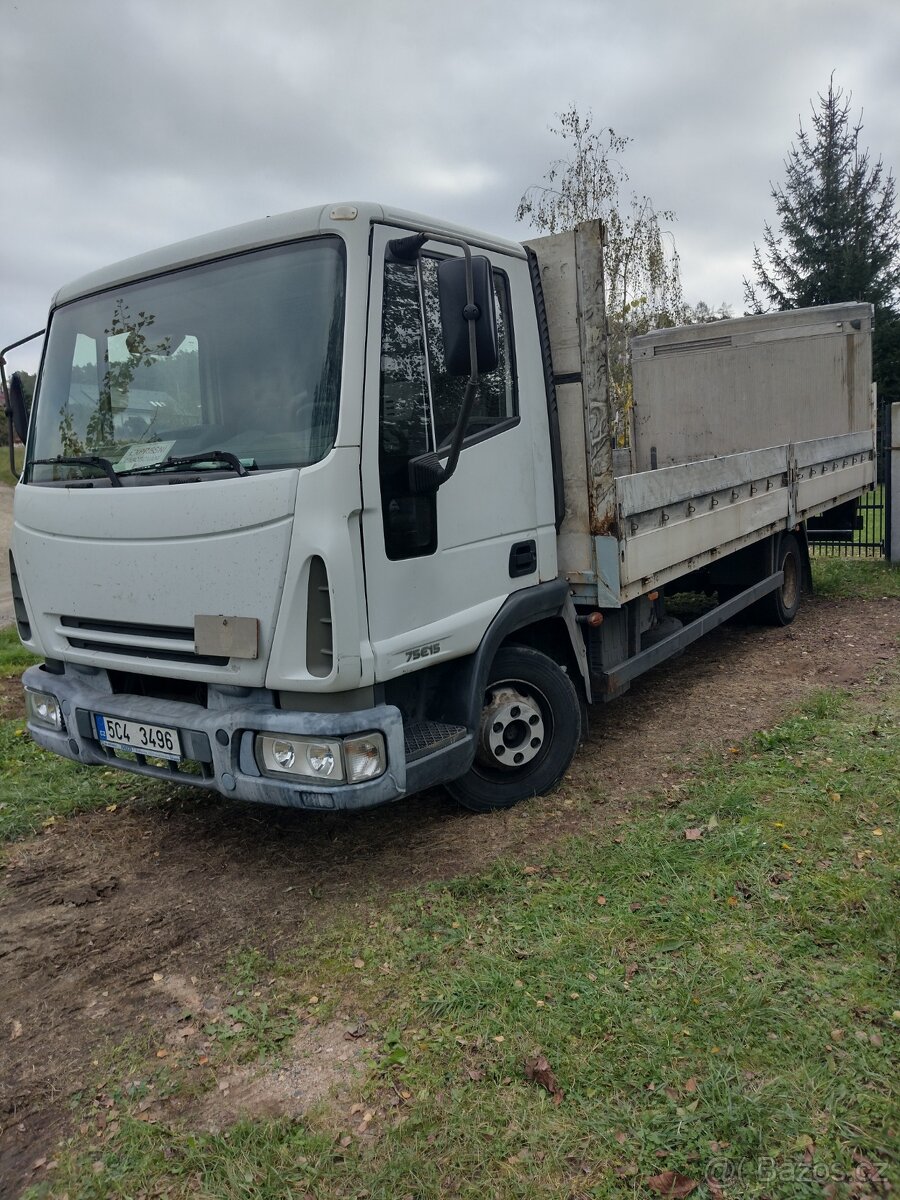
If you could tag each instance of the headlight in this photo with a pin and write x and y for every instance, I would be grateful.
(365, 757)
(43, 709)
(311, 758)
(284, 755)
(355, 759)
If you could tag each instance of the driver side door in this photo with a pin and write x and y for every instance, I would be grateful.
(438, 568)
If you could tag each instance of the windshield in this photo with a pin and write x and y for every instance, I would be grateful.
(241, 356)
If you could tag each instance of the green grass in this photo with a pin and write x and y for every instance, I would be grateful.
(856, 578)
(14, 658)
(37, 789)
(6, 476)
(721, 998)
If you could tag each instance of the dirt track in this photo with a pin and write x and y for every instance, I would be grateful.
(91, 909)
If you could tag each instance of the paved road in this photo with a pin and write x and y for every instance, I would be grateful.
(6, 604)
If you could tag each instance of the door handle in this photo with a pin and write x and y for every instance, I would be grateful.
(523, 559)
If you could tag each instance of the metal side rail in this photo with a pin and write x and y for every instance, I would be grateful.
(680, 518)
(643, 661)
(830, 471)
(677, 519)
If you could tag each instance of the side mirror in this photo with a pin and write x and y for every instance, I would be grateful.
(17, 407)
(455, 316)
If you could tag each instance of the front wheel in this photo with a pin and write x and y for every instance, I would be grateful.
(530, 728)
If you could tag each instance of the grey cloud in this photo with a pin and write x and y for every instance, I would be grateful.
(128, 125)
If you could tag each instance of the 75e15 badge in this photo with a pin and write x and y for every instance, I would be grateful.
(423, 652)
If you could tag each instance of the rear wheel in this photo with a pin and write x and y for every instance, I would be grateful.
(530, 728)
(781, 606)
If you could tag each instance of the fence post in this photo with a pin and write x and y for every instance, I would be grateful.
(892, 485)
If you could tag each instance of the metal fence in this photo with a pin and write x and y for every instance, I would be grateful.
(860, 529)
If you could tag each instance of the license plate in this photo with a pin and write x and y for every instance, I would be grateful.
(155, 741)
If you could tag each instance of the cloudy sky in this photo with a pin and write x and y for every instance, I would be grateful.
(127, 124)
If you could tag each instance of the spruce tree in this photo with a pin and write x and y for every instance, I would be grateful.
(838, 235)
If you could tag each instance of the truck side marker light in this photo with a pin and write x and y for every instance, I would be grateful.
(592, 619)
(344, 212)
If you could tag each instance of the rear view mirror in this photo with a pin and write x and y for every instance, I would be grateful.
(17, 406)
(455, 316)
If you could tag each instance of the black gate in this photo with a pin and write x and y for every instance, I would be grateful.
(860, 529)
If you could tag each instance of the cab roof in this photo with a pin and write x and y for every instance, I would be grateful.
(253, 235)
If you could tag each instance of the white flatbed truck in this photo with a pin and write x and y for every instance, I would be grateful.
(328, 508)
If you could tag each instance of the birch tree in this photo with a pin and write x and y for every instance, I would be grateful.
(641, 265)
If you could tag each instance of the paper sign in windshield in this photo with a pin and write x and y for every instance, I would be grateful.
(144, 454)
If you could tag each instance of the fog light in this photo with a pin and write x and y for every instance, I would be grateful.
(43, 709)
(365, 757)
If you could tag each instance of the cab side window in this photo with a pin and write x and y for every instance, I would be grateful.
(410, 522)
(496, 399)
(420, 401)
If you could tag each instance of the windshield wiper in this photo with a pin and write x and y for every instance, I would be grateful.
(187, 460)
(87, 460)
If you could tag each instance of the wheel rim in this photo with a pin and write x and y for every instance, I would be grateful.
(515, 727)
(791, 586)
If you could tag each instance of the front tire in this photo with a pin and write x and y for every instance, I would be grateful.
(530, 728)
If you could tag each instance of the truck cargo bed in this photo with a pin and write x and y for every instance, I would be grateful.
(739, 429)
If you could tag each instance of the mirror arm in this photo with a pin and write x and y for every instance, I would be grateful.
(426, 472)
(406, 249)
(8, 409)
(459, 432)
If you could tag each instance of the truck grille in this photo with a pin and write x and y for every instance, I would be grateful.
(186, 770)
(168, 643)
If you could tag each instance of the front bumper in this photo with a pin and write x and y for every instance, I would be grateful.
(218, 742)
